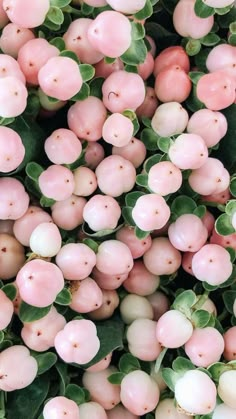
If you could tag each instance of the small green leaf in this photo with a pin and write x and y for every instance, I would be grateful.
(28, 313)
(195, 76)
(232, 39)
(200, 318)
(10, 291)
(183, 205)
(159, 360)
(75, 393)
(109, 60)
(202, 10)
(60, 3)
(149, 138)
(128, 363)
(223, 10)
(127, 215)
(51, 26)
(6, 121)
(62, 370)
(64, 297)
(132, 197)
(223, 225)
(55, 15)
(146, 122)
(151, 161)
(232, 253)
(45, 361)
(217, 369)
(69, 54)
(140, 234)
(182, 365)
(193, 47)
(92, 244)
(229, 298)
(232, 186)
(1, 336)
(200, 211)
(232, 27)
(138, 31)
(116, 378)
(142, 180)
(46, 202)
(83, 93)
(87, 71)
(34, 170)
(58, 43)
(146, 12)
(100, 233)
(135, 54)
(164, 144)
(187, 298)
(170, 377)
(211, 39)
(96, 87)
(86, 9)
(192, 102)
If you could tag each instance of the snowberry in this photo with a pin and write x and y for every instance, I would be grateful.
(101, 212)
(216, 90)
(94, 154)
(45, 240)
(68, 214)
(189, 151)
(170, 119)
(104, 69)
(173, 329)
(162, 258)
(76, 261)
(14, 199)
(210, 125)
(149, 105)
(59, 407)
(172, 84)
(170, 56)
(62, 147)
(140, 281)
(86, 296)
(226, 388)
(142, 342)
(164, 178)
(114, 257)
(91, 410)
(13, 37)
(131, 8)
(150, 212)
(230, 344)
(12, 256)
(85, 181)
(57, 182)
(134, 307)
(101, 365)
(224, 411)
(109, 303)
(12, 150)
(137, 247)
(120, 411)
(188, 233)
(108, 281)
(24, 226)
(134, 151)
(167, 409)
(117, 130)
(159, 302)
(187, 23)
(13, 97)
(6, 310)
(36, 12)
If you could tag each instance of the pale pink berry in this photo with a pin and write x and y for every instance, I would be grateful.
(188, 233)
(94, 3)
(68, 214)
(14, 199)
(160, 304)
(86, 296)
(142, 342)
(36, 12)
(12, 256)
(13, 37)
(107, 281)
(145, 69)
(140, 281)
(205, 346)
(187, 23)
(218, 3)
(134, 307)
(225, 241)
(9, 67)
(3, 16)
(12, 150)
(130, 8)
(94, 154)
(6, 310)
(226, 388)
(149, 105)
(39, 282)
(216, 90)
(212, 264)
(39, 335)
(76, 261)
(230, 344)
(208, 220)
(189, 151)
(220, 198)
(168, 410)
(46, 240)
(137, 247)
(115, 175)
(119, 28)
(139, 392)
(170, 119)
(117, 130)
(85, 181)
(102, 212)
(123, 90)
(119, 412)
(172, 84)
(18, 368)
(109, 304)
(101, 365)
(59, 407)
(52, 78)
(210, 125)
(173, 329)
(164, 178)
(57, 182)
(150, 212)
(187, 262)
(135, 151)
(77, 342)
(62, 146)
(224, 411)
(222, 57)
(195, 393)
(169, 56)
(104, 69)
(24, 225)
(13, 97)
(211, 177)
(162, 258)
(100, 389)
(91, 410)
(114, 257)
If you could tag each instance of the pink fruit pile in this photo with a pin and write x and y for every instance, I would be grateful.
(117, 209)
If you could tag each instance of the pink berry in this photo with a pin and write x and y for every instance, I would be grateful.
(216, 90)
(36, 12)
(188, 233)
(91, 410)
(135, 307)
(168, 410)
(189, 151)
(45, 240)
(205, 346)
(137, 247)
(68, 214)
(172, 84)
(86, 296)
(114, 257)
(226, 388)
(210, 125)
(24, 226)
(62, 147)
(94, 154)
(135, 151)
(6, 310)
(12, 150)
(76, 261)
(172, 55)
(12, 256)
(117, 130)
(102, 212)
(13, 37)
(173, 329)
(13, 97)
(187, 23)
(56, 182)
(85, 181)
(170, 119)
(150, 212)
(164, 178)
(160, 304)
(162, 258)
(142, 342)
(59, 407)
(14, 199)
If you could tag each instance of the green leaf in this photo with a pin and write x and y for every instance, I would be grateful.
(87, 71)
(232, 39)
(183, 205)
(75, 393)
(127, 215)
(109, 60)
(182, 365)
(211, 39)
(146, 12)
(151, 161)
(164, 144)
(62, 370)
(217, 369)
(45, 361)
(223, 10)
(200, 318)
(86, 9)
(225, 20)
(70, 54)
(195, 76)
(132, 197)
(149, 138)
(1, 336)
(135, 54)
(159, 360)
(6, 121)
(223, 225)
(128, 363)
(60, 3)
(100, 233)
(116, 378)
(138, 31)
(46, 202)
(187, 298)
(141, 234)
(227, 146)
(146, 122)
(202, 10)
(200, 211)
(170, 377)
(58, 42)
(229, 298)
(110, 333)
(25, 403)
(192, 102)
(232, 186)
(34, 170)
(96, 87)
(64, 297)
(92, 244)
(142, 180)
(83, 93)
(79, 162)
(55, 15)
(193, 47)
(51, 26)
(10, 291)
(28, 313)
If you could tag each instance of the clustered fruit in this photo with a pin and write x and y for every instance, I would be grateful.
(117, 209)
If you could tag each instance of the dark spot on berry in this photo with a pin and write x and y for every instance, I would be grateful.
(4, 249)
